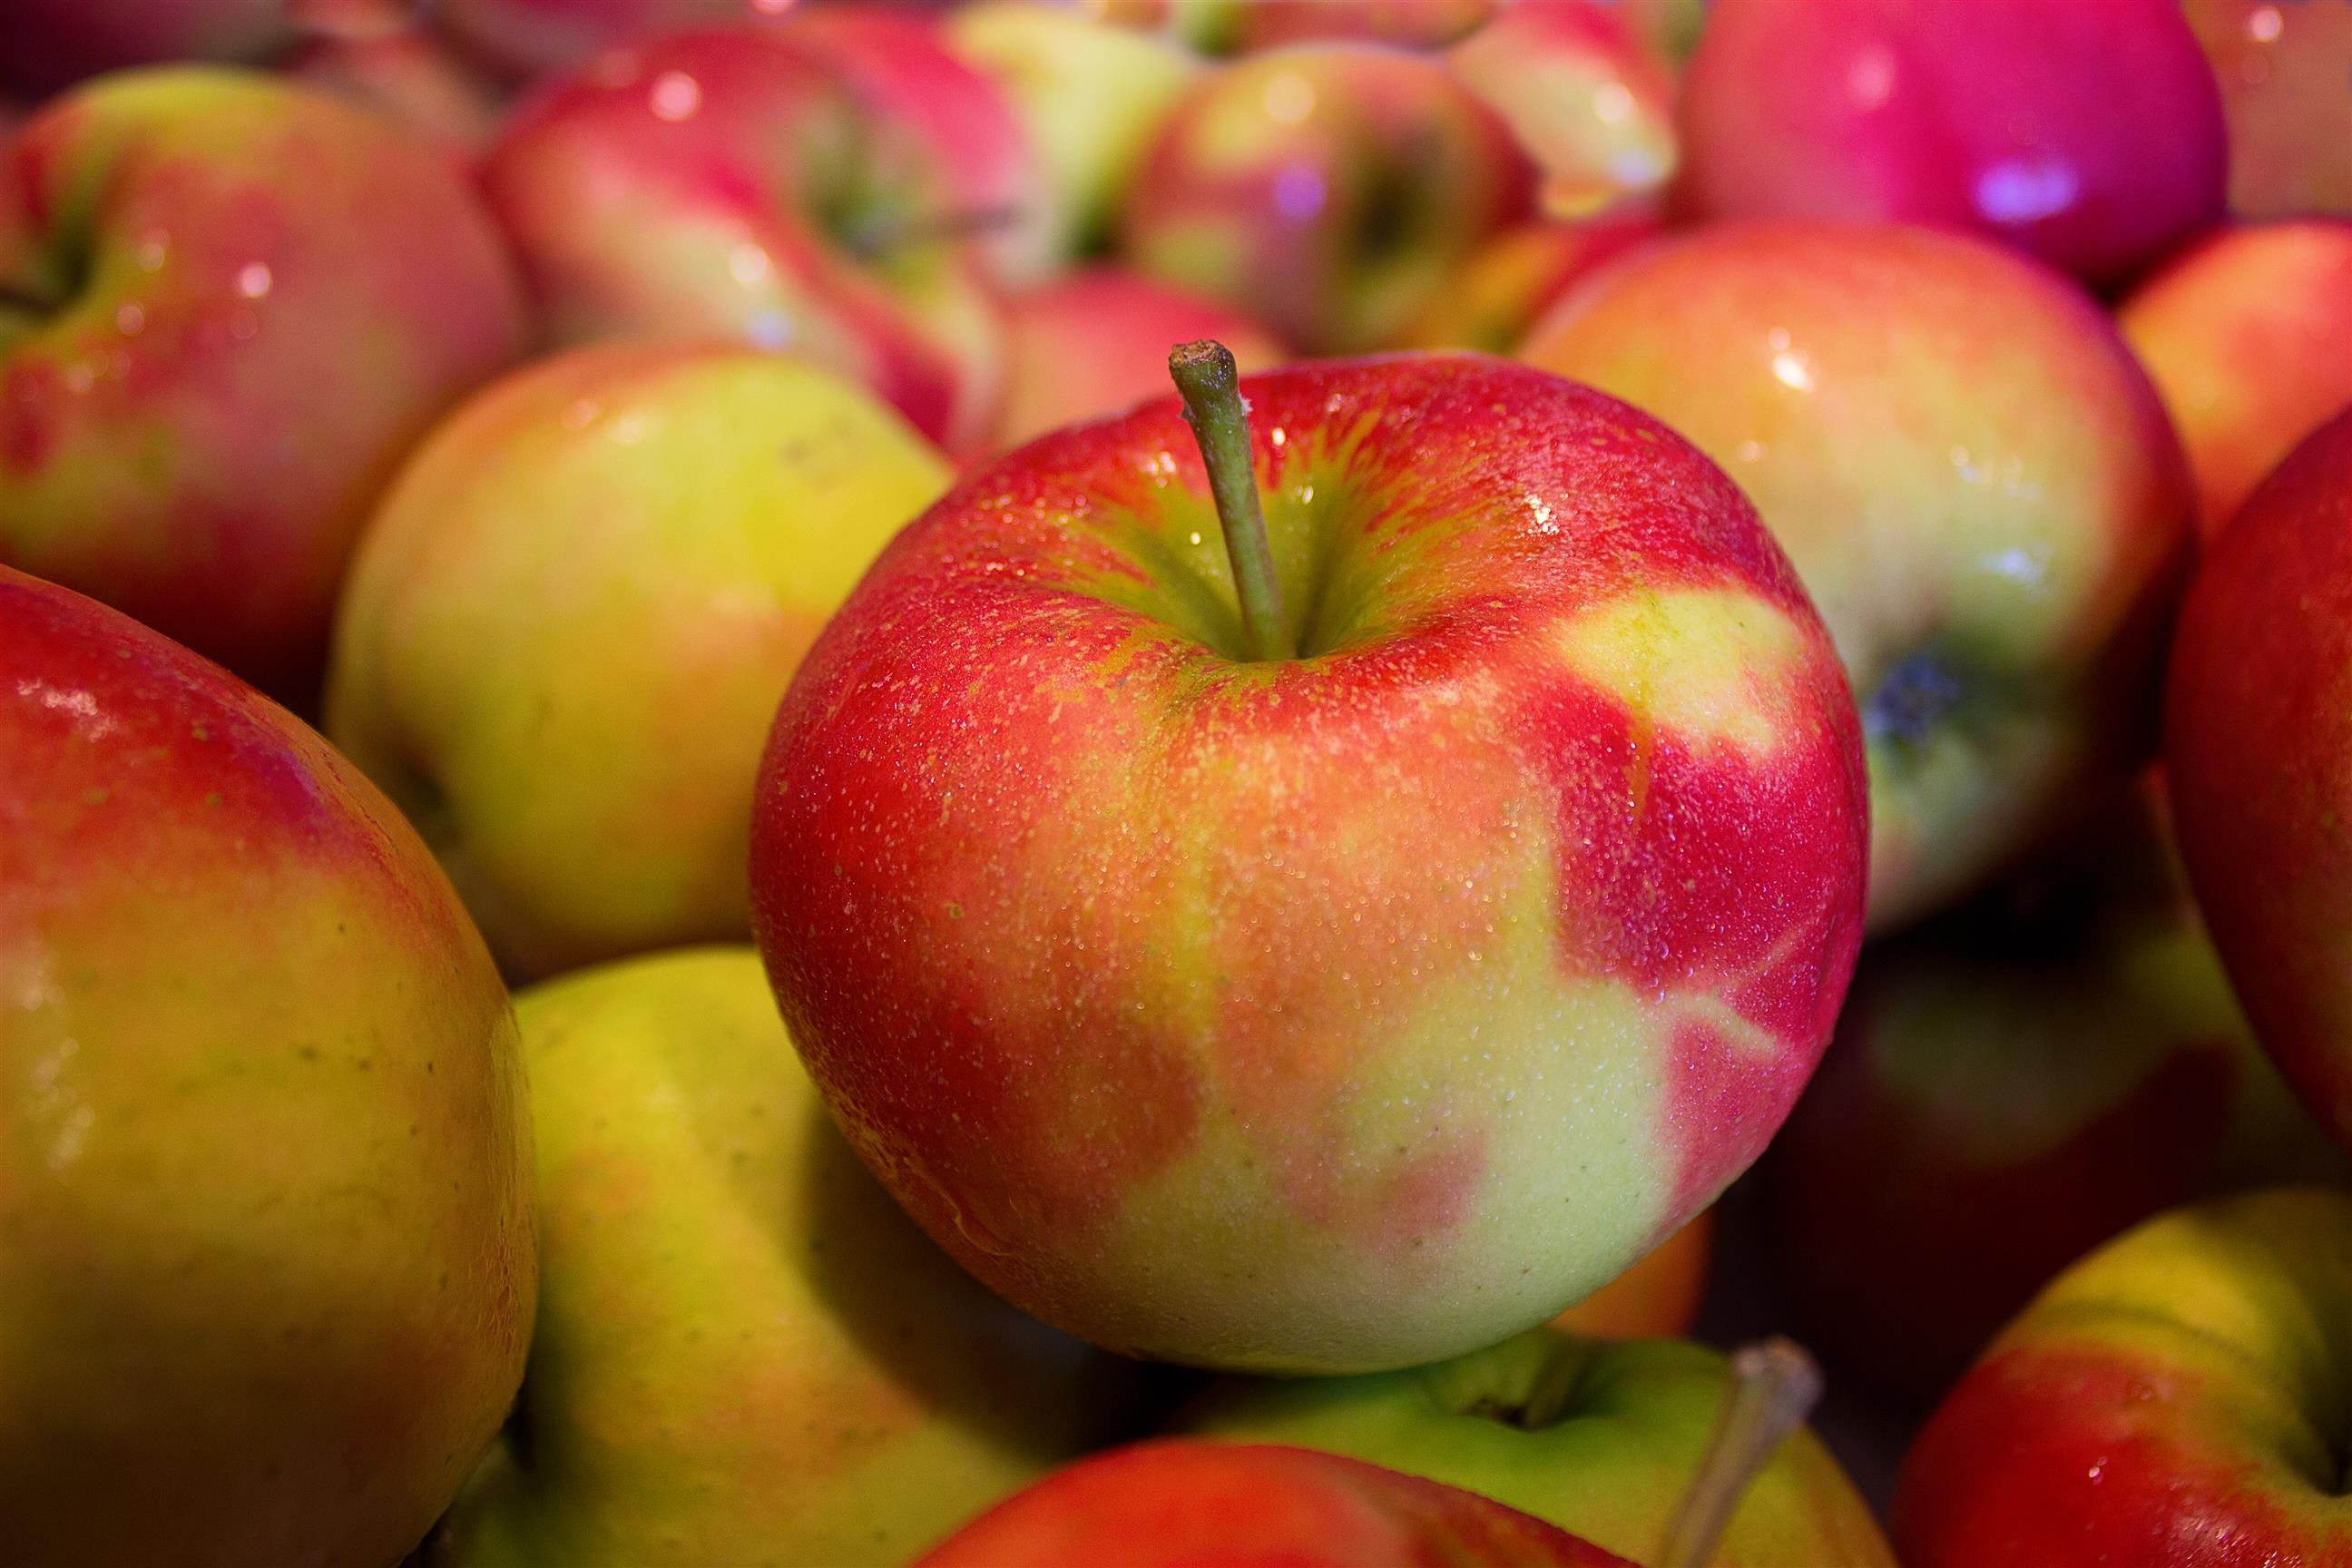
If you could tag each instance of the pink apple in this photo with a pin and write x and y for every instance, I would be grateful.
(51, 43)
(1337, 1011)
(1097, 341)
(2249, 338)
(227, 305)
(773, 183)
(2086, 132)
(1329, 190)
(2285, 69)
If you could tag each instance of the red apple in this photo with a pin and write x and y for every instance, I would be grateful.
(1972, 474)
(1349, 972)
(2283, 66)
(2176, 1400)
(51, 43)
(531, 37)
(1586, 95)
(1329, 190)
(751, 183)
(1097, 341)
(2249, 338)
(412, 77)
(2088, 132)
(1507, 284)
(227, 305)
(2259, 744)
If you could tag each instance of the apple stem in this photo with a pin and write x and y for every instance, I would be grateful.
(1206, 376)
(1774, 1386)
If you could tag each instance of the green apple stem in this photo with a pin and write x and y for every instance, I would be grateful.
(1774, 1386)
(1205, 374)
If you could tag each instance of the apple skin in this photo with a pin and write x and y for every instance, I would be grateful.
(1657, 1298)
(2248, 336)
(53, 43)
(2087, 134)
(282, 292)
(1328, 189)
(2258, 746)
(2010, 1086)
(2174, 1398)
(2283, 69)
(1095, 341)
(1033, 855)
(1507, 285)
(1173, 1504)
(718, 184)
(570, 621)
(744, 1351)
(528, 38)
(415, 77)
(266, 1249)
(1974, 478)
(1585, 94)
(1600, 1438)
(1089, 94)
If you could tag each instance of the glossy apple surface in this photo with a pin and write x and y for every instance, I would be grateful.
(1599, 1438)
(267, 1252)
(1328, 189)
(1507, 285)
(2010, 1086)
(2259, 747)
(1973, 476)
(2286, 70)
(1179, 1505)
(2087, 134)
(2249, 338)
(55, 43)
(1095, 341)
(744, 1353)
(227, 305)
(569, 624)
(745, 183)
(2174, 1398)
(1566, 773)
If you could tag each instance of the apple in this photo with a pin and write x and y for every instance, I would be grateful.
(2260, 761)
(1329, 189)
(269, 1255)
(1584, 93)
(1599, 1438)
(743, 183)
(53, 43)
(412, 77)
(227, 305)
(1507, 285)
(1095, 341)
(2010, 1086)
(2174, 1398)
(534, 37)
(2088, 133)
(1408, 24)
(1089, 93)
(568, 625)
(1348, 970)
(2283, 66)
(744, 1353)
(2249, 338)
(1971, 473)
(1657, 1297)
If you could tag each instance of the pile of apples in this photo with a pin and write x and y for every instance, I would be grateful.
(1182, 719)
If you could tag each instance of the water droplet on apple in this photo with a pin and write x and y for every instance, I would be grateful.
(253, 280)
(674, 97)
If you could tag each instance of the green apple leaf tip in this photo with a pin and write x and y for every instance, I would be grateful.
(1774, 1386)
(1209, 382)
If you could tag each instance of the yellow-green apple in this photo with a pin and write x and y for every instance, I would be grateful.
(1585, 95)
(1328, 190)
(744, 182)
(1095, 341)
(1599, 1438)
(2283, 66)
(2177, 1397)
(533, 38)
(227, 305)
(266, 1257)
(52, 44)
(412, 76)
(2248, 337)
(1346, 970)
(745, 1354)
(2088, 133)
(2010, 1086)
(2259, 749)
(1973, 476)
(1507, 285)
(1657, 1298)
(568, 625)
(1089, 93)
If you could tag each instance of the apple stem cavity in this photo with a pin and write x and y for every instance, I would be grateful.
(1774, 1386)
(1209, 383)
